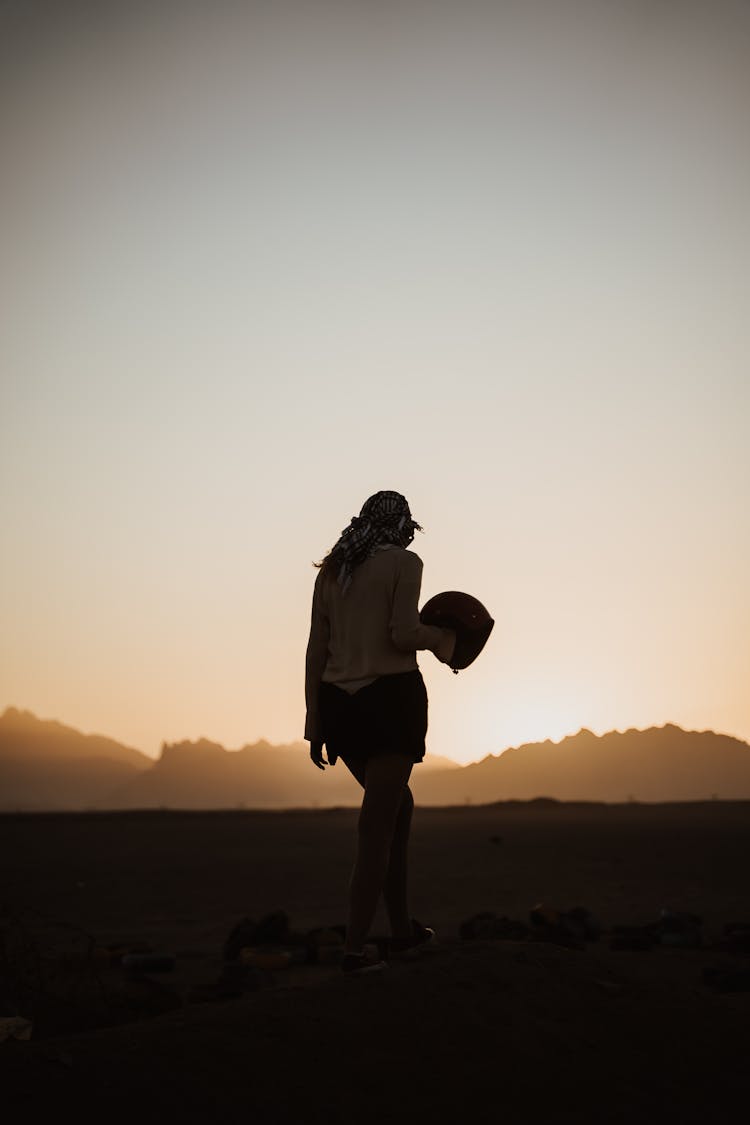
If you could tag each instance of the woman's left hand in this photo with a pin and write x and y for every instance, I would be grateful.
(316, 754)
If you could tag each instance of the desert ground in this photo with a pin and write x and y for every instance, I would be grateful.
(505, 1029)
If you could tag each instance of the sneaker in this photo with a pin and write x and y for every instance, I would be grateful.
(359, 963)
(421, 937)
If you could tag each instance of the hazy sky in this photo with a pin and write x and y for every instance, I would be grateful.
(261, 260)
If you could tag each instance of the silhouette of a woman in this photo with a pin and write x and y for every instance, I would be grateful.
(367, 702)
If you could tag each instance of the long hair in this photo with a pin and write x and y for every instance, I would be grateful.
(327, 565)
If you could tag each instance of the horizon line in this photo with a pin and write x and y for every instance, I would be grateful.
(446, 757)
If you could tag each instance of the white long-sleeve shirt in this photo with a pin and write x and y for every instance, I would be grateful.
(373, 630)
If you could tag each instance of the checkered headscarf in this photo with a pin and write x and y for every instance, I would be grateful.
(385, 518)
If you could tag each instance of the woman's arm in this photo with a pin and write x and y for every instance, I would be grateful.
(407, 631)
(315, 662)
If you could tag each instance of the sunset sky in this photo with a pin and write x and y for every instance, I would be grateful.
(262, 260)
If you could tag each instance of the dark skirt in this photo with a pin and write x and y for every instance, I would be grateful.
(389, 716)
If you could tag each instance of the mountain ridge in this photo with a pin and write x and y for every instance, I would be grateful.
(45, 764)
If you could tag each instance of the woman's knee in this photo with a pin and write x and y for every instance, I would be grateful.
(386, 790)
(379, 813)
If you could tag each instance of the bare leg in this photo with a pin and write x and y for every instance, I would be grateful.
(394, 891)
(385, 779)
(395, 887)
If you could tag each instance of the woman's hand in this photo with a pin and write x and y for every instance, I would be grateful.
(316, 755)
(444, 651)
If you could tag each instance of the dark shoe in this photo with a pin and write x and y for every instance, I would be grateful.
(421, 937)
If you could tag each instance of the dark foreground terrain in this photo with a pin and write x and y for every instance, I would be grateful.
(513, 1030)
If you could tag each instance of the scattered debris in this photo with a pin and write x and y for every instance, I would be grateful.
(325, 945)
(272, 944)
(272, 958)
(569, 928)
(679, 929)
(273, 930)
(673, 928)
(14, 1027)
(111, 955)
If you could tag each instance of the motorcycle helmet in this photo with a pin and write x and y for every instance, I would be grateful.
(467, 616)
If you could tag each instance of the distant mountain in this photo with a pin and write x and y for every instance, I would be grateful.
(202, 774)
(45, 765)
(658, 764)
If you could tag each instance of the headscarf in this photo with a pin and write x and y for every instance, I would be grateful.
(385, 518)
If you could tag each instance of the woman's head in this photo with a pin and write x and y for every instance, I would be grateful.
(384, 518)
(388, 513)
